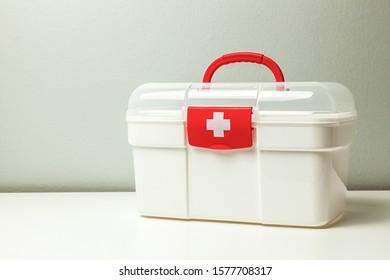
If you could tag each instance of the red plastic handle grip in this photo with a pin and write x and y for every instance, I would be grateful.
(243, 57)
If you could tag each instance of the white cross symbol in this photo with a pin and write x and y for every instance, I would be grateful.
(217, 124)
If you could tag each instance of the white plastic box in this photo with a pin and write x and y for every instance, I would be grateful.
(294, 172)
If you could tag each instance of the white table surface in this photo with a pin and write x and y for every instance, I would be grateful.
(107, 226)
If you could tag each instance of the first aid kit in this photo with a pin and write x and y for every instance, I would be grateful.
(268, 153)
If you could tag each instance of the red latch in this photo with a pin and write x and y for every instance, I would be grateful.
(220, 128)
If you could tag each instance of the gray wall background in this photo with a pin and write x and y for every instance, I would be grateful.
(67, 69)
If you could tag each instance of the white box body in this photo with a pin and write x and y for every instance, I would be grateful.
(294, 174)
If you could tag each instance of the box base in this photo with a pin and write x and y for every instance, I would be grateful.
(338, 219)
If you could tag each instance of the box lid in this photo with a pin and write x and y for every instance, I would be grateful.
(306, 102)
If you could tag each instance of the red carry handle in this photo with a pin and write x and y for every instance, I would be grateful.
(243, 57)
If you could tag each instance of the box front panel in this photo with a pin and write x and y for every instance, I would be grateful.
(161, 181)
(296, 187)
(223, 185)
